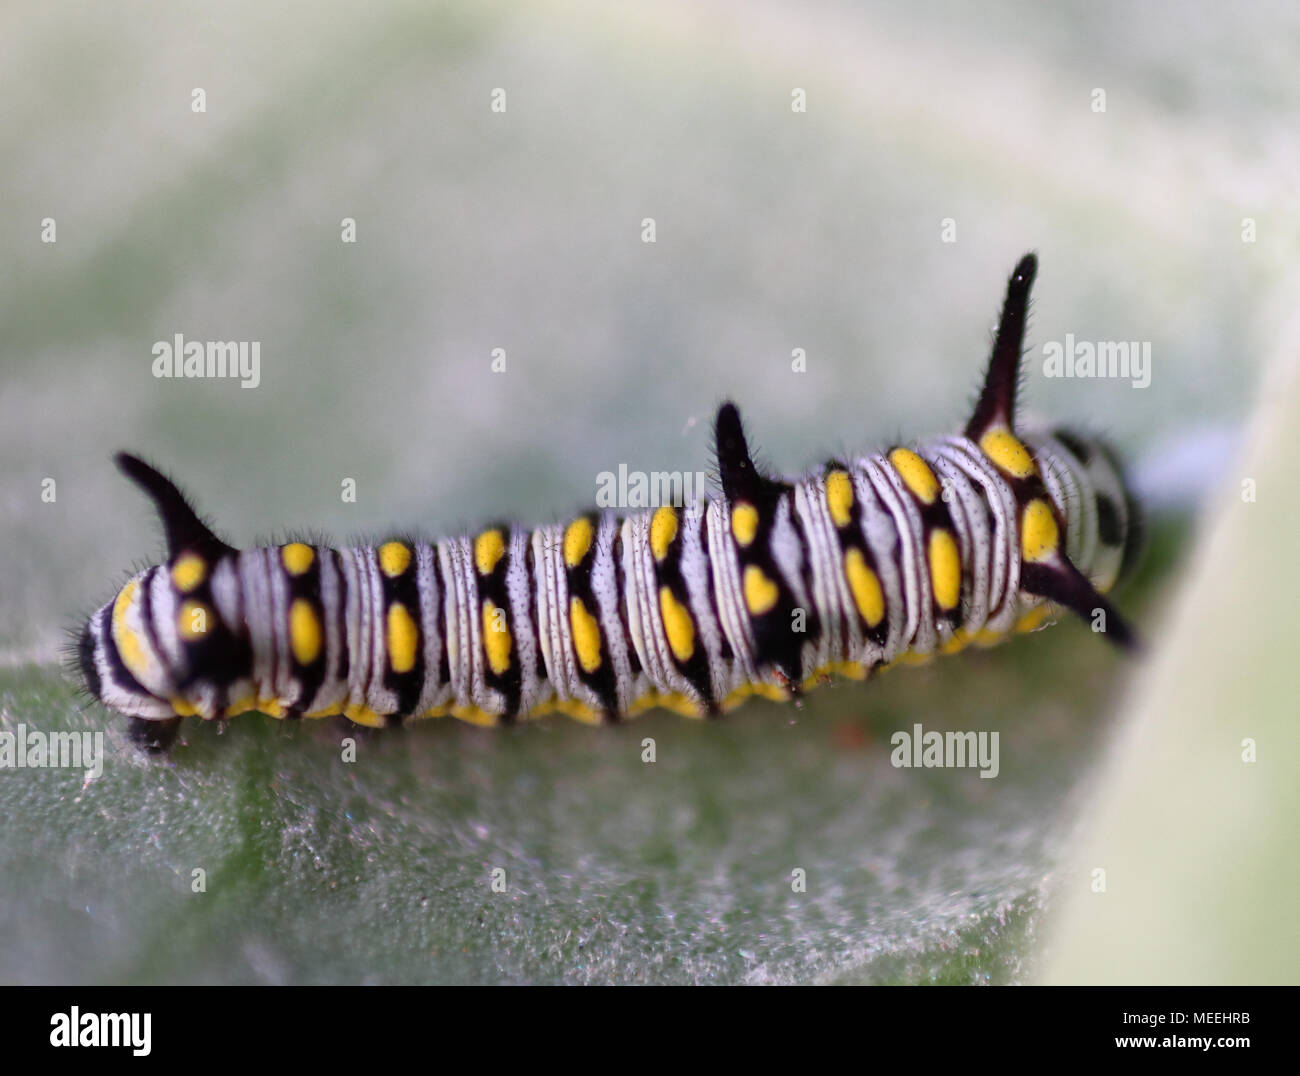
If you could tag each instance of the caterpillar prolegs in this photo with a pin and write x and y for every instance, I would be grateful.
(891, 557)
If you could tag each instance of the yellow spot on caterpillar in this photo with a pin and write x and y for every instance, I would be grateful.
(961, 639)
(945, 568)
(327, 711)
(680, 703)
(496, 638)
(188, 572)
(760, 690)
(865, 585)
(394, 558)
(1005, 449)
(403, 638)
(304, 632)
(125, 597)
(851, 670)
(489, 548)
(673, 700)
(760, 592)
(577, 540)
(736, 697)
(297, 557)
(916, 474)
(579, 711)
(192, 620)
(363, 715)
(663, 530)
(1039, 535)
(182, 707)
(586, 635)
(912, 657)
(988, 637)
(1035, 618)
(474, 715)
(678, 624)
(642, 703)
(820, 675)
(839, 497)
(744, 522)
(128, 644)
(270, 707)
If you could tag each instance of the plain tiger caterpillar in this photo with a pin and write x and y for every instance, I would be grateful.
(888, 558)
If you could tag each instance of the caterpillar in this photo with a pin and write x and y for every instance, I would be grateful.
(768, 590)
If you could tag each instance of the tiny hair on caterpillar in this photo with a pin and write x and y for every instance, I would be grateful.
(767, 590)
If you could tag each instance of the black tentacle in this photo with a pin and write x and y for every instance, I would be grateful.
(997, 402)
(181, 524)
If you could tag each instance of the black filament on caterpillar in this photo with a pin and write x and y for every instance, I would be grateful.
(888, 558)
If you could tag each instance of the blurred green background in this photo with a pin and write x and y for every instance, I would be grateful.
(522, 230)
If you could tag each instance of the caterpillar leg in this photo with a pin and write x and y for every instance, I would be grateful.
(153, 736)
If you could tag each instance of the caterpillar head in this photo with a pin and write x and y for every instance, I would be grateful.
(119, 651)
(118, 664)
